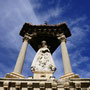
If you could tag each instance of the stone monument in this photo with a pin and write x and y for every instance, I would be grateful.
(51, 36)
(44, 39)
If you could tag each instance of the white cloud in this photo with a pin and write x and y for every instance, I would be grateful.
(4, 69)
(84, 73)
(79, 32)
(53, 12)
(78, 20)
(75, 45)
(78, 58)
(17, 12)
(12, 18)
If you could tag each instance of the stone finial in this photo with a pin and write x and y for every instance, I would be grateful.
(45, 23)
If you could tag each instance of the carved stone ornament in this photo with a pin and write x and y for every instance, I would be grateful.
(61, 38)
(27, 37)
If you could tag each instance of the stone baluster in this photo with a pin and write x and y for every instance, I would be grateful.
(29, 86)
(77, 86)
(5, 85)
(42, 86)
(18, 85)
(54, 86)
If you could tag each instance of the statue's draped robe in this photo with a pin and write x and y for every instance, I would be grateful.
(43, 61)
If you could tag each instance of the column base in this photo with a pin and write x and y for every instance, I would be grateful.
(69, 75)
(14, 75)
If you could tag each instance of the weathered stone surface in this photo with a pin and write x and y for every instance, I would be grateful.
(24, 84)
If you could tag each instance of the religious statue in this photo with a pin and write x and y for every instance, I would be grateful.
(43, 60)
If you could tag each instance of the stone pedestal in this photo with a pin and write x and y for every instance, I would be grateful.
(69, 75)
(14, 75)
(42, 75)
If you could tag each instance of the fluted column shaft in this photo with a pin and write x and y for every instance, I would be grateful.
(21, 57)
(65, 56)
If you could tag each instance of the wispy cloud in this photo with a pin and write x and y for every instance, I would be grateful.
(78, 20)
(58, 62)
(12, 18)
(49, 12)
(76, 45)
(52, 13)
(18, 12)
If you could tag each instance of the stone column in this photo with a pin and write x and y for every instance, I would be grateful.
(65, 56)
(21, 57)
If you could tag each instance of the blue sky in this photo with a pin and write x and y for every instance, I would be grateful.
(76, 13)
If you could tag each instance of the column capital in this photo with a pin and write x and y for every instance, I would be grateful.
(61, 37)
(27, 37)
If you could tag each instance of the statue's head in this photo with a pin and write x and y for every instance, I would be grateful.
(44, 43)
